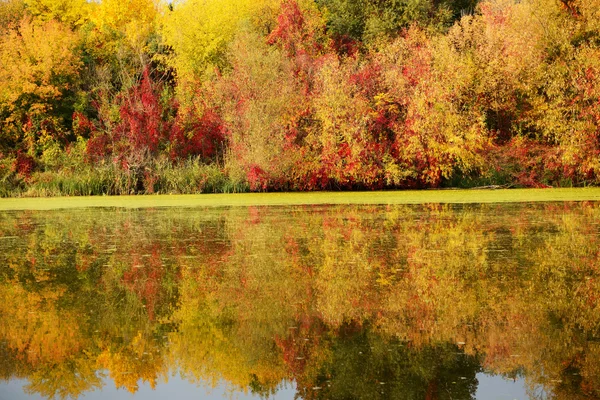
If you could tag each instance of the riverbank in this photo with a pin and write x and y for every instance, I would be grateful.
(307, 198)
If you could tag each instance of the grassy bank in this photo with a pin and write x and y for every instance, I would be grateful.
(155, 177)
(276, 199)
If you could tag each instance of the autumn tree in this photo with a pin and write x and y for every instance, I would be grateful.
(199, 32)
(11, 12)
(266, 126)
(565, 92)
(38, 72)
(72, 13)
(372, 20)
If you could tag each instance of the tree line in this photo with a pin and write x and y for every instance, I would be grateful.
(144, 96)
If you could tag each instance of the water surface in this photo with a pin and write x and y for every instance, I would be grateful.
(477, 301)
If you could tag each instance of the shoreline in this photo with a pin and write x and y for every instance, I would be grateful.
(430, 196)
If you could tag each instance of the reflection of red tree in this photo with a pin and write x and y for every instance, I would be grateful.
(144, 278)
(293, 354)
(301, 351)
(432, 390)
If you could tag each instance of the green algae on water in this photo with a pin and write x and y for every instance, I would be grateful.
(306, 198)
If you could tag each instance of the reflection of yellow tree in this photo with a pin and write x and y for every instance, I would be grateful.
(140, 359)
(72, 301)
(37, 330)
(233, 307)
(262, 295)
(46, 339)
(448, 274)
(523, 311)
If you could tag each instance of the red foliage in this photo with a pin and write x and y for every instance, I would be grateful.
(98, 146)
(205, 136)
(344, 45)
(141, 114)
(257, 178)
(368, 79)
(141, 128)
(82, 126)
(299, 39)
(527, 163)
(291, 32)
(145, 127)
(494, 15)
(418, 67)
(23, 165)
(587, 102)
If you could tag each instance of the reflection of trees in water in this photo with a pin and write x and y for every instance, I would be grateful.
(347, 301)
(363, 364)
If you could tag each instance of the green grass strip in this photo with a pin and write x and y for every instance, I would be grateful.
(306, 198)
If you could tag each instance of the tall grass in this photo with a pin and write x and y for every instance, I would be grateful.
(157, 177)
(189, 177)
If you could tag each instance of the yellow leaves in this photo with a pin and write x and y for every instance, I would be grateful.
(590, 10)
(199, 31)
(336, 105)
(36, 61)
(257, 115)
(11, 12)
(267, 302)
(34, 326)
(124, 15)
(124, 28)
(385, 100)
(139, 359)
(211, 351)
(73, 13)
(504, 46)
(566, 110)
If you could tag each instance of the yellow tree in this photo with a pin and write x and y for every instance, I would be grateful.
(71, 12)
(38, 67)
(123, 33)
(566, 93)
(11, 12)
(133, 17)
(199, 31)
(120, 45)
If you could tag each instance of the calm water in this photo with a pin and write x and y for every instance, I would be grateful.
(312, 302)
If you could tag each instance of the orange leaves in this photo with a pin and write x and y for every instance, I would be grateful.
(303, 95)
(139, 360)
(342, 141)
(33, 325)
(37, 60)
(38, 66)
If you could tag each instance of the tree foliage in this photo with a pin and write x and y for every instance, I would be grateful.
(11, 12)
(306, 94)
(199, 31)
(72, 13)
(38, 73)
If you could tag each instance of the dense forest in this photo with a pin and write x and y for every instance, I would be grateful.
(145, 96)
